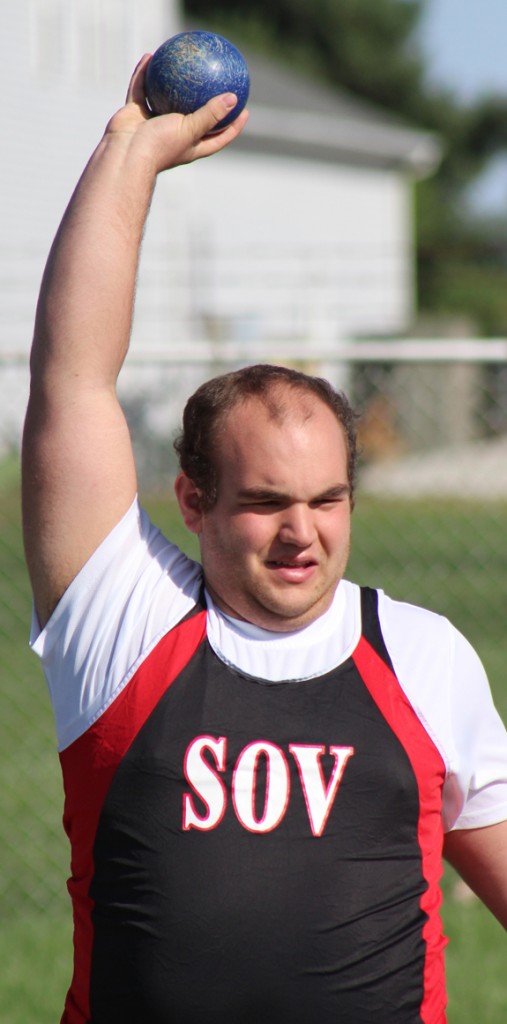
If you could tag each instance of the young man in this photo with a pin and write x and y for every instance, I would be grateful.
(262, 762)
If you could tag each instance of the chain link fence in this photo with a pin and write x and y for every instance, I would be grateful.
(430, 527)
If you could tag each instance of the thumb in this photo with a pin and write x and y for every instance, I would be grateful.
(205, 120)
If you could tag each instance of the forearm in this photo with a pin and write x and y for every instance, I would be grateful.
(480, 857)
(84, 312)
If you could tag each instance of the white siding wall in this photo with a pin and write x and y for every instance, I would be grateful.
(250, 247)
(65, 68)
(279, 248)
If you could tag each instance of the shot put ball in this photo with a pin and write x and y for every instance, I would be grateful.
(191, 67)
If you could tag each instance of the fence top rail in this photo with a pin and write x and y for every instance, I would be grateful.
(424, 350)
(441, 350)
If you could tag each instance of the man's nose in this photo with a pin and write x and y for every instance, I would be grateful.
(297, 526)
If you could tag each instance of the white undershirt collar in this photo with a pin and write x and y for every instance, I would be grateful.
(303, 654)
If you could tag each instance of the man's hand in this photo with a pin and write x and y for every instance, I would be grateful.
(174, 139)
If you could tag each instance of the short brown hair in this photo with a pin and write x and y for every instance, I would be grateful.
(206, 411)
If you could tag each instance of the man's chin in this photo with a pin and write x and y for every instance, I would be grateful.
(289, 614)
(280, 609)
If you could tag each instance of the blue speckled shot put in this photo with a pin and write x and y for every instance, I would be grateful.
(190, 68)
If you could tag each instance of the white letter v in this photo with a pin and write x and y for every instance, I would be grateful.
(319, 797)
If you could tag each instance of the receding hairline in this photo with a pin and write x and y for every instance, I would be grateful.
(291, 413)
(282, 402)
(280, 390)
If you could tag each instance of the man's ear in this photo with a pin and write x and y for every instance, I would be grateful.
(189, 499)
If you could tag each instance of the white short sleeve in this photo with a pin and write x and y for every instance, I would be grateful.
(447, 686)
(134, 588)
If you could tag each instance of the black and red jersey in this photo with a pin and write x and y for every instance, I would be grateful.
(255, 852)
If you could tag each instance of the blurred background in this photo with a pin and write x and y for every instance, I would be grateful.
(356, 230)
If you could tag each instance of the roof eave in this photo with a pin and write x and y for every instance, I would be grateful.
(320, 136)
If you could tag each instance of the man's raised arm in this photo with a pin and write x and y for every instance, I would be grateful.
(78, 470)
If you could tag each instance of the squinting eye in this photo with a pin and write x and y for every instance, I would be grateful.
(260, 505)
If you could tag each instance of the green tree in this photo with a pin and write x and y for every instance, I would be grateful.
(364, 46)
(462, 256)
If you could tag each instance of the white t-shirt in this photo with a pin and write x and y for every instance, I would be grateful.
(138, 585)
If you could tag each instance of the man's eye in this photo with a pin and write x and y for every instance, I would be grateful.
(334, 499)
(261, 504)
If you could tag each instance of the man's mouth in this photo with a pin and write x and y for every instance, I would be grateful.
(293, 570)
(291, 563)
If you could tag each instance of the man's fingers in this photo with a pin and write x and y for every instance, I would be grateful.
(135, 92)
(205, 120)
(213, 143)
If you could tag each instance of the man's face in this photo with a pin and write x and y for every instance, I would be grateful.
(276, 543)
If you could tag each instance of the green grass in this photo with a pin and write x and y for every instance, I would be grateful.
(448, 556)
(36, 967)
(475, 960)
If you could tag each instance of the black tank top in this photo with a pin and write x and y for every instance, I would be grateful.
(268, 853)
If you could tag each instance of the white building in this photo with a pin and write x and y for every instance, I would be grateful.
(298, 235)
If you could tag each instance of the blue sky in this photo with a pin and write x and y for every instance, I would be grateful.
(466, 45)
(465, 42)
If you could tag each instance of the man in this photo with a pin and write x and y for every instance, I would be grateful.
(258, 771)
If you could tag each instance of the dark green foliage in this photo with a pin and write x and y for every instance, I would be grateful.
(356, 44)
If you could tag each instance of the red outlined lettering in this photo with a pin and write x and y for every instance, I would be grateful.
(319, 797)
(205, 783)
(244, 784)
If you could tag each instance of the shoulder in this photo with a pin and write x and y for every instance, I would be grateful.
(426, 643)
(432, 660)
(411, 631)
(397, 616)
